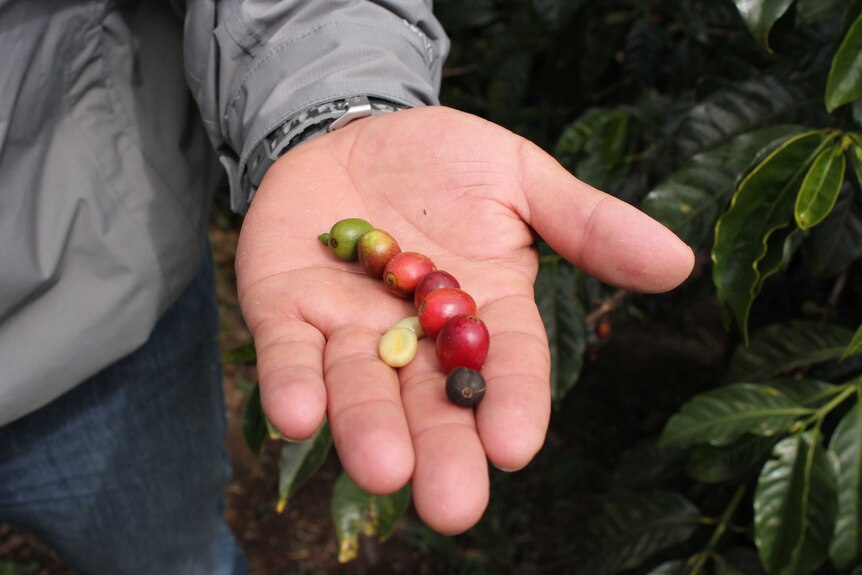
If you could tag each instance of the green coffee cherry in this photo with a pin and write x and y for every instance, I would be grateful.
(344, 237)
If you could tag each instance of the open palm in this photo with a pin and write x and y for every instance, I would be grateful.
(471, 196)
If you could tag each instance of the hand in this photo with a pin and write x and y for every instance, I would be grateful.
(468, 194)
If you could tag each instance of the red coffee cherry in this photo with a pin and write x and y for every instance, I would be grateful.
(404, 271)
(375, 248)
(463, 342)
(442, 304)
(434, 280)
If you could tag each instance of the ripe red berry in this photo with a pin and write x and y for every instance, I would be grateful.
(375, 248)
(404, 271)
(463, 342)
(434, 280)
(442, 304)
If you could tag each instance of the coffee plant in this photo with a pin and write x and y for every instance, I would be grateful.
(738, 124)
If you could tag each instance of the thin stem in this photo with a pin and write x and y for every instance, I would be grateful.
(723, 525)
(821, 412)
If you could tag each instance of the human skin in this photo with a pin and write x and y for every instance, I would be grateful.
(471, 196)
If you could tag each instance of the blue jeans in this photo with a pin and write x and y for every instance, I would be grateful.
(125, 474)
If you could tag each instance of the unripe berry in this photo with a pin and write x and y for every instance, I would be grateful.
(344, 237)
(376, 247)
(434, 280)
(398, 346)
(442, 304)
(463, 342)
(404, 271)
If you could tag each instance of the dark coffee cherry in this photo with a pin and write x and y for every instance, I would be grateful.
(465, 387)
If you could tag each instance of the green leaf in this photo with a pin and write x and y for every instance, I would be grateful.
(837, 242)
(594, 146)
(713, 464)
(846, 445)
(242, 354)
(855, 345)
(689, 201)
(356, 512)
(811, 11)
(16, 568)
(805, 391)
(854, 154)
(721, 416)
(820, 187)
(786, 346)
(299, 461)
(562, 311)
(556, 13)
(254, 428)
(762, 204)
(736, 109)
(760, 15)
(794, 506)
(844, 83)
(633, 528)
(780, 248)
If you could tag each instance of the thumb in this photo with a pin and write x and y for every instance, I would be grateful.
(606, 237)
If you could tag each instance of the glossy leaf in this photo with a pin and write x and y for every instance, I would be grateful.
(762, 204)
(794, 506)
(712, 464)
(556, 293)
(810, 11)
(254, 428)
(820, 187)
(357, 512)
(736, 109)
(785, 346)
(760, 15)
(846, 445)
(689, 201)
(837, 242)
(844, 83)
(631, 529)
(805, 391)
(593, 147)
(299, 461)
(855, 345)
(721, 416)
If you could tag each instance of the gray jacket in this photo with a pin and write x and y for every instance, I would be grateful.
(114, 117)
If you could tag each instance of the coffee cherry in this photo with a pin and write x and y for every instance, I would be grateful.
(434, 280)
(465, 387)
(398, 346)
(344, 237)
(463, 342)
(404, 271)
(374, 250)
(442, 304)
(411, 322)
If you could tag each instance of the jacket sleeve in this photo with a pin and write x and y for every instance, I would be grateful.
(252, 64)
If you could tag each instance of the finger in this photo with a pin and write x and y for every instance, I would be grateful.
(602, 235)
(514, 414)
(289, 368)
(365, 413)
(450, 482)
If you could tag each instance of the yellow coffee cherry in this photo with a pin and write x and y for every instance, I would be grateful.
(398, 346)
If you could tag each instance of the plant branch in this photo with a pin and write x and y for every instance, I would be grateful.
(723, 525)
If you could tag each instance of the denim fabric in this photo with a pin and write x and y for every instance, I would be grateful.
(125, 474)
